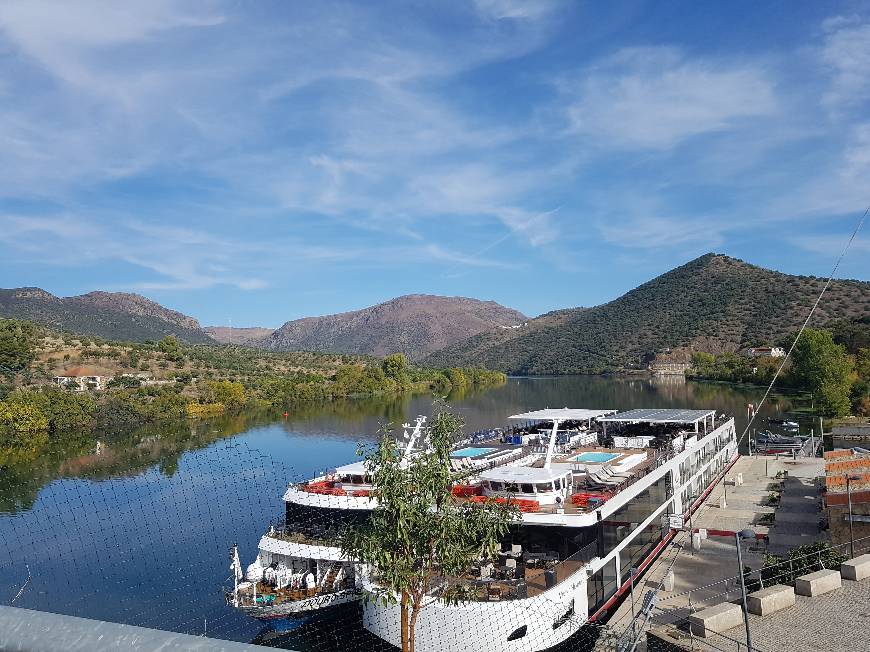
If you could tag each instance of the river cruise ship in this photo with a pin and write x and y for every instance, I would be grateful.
(597, 492)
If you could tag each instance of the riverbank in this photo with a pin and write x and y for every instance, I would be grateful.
(64, 385)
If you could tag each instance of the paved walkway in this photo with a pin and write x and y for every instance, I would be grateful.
(835, 622)
(798, 515)
(699, 575)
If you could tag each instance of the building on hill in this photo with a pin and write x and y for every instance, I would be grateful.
(766, 352)
(81, 379)
(671, 363)
(847, 475)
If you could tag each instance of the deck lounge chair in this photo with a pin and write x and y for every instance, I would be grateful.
(600, 479)
(607, 472)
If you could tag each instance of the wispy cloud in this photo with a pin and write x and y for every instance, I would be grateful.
(203, 145)
(657, 97)
(846, 52)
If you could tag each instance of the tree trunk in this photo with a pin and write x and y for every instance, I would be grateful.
(415, 611)
(406, 642)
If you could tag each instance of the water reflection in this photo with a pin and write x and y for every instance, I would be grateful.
(124, 526)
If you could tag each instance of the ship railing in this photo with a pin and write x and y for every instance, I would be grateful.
(268, 594)
(310, 535)
(528, 580)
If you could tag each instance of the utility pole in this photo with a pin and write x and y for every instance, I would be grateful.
(849, 479)
(744, 534)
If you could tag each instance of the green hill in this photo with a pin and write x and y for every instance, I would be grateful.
(110, 315)
(714, 303)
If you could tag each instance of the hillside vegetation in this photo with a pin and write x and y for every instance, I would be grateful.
(714, 303)
(110, 315)
(158, 381)
(415, 325)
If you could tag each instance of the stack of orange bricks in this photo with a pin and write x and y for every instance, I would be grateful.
(838, 465)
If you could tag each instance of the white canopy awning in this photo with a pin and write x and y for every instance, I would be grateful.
(356, 468)
(660, 415)
(562, 414)
(522, 474)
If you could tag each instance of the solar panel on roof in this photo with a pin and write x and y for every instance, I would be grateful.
(659, 415)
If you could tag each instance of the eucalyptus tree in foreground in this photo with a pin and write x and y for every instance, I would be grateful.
(420, 536)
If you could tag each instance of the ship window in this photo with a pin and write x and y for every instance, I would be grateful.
(511, 487)
(518, 633)
(526, 489)
(495, 486)
(544, 487)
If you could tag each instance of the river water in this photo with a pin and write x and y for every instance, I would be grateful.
(137, 528)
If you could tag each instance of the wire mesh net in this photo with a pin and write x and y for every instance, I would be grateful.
(139, 531)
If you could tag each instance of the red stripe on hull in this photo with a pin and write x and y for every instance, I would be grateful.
(665, 540)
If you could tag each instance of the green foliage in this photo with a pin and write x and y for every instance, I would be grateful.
(821, 366)
(853, 333)
(418, 533)
(355, 380)
(231, 394)
(120, 411)
(17, 345)
(171, 348)
(18, 419)
(126, 381)
(65, 411)
(800, 561)
(713, 302)
(395, 366)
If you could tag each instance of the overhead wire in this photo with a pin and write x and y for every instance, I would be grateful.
(776, 375)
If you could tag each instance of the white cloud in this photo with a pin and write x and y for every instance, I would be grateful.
(656, 98)
(514, 9)
(846, 53)
(838, 185)
(664, 233)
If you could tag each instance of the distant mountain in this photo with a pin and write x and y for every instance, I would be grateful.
(111, 315)
(713, 303)
(416, 325)
(230, 335)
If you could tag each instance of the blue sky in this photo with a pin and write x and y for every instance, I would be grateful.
(253, 162)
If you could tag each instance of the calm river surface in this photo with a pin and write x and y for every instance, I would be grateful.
(137, 528)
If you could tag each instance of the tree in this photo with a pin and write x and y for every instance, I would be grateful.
(65, 411)
(231, 394)
(170, 347)
(395, 366)
(17, 345)
(419, 532)
(18, 418)
(821, 367)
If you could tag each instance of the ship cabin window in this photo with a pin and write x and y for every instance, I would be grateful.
(544, 487)
(511, 487)
(526, 489)
(495, 486)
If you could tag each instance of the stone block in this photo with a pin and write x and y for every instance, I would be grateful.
(770, 600)
(818, 583)
(856, 569)
(716, 619)
(668, 581)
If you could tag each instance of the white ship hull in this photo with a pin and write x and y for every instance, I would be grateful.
(301, 609)
(539, 623)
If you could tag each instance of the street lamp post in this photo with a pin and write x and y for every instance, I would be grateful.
(849, 479)
(744, 534)
(632, 571)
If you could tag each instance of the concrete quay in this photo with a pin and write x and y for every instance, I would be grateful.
(698, 574)
(835, 621)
